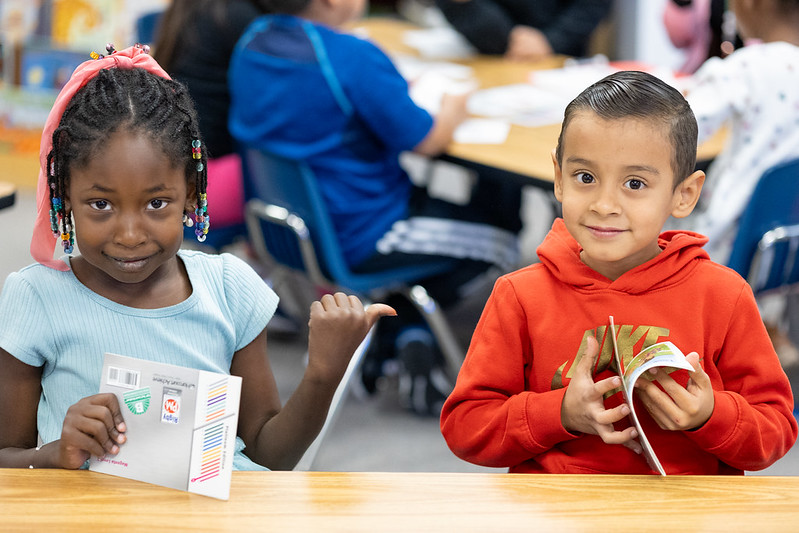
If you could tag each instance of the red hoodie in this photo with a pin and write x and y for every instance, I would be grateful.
(505, 409)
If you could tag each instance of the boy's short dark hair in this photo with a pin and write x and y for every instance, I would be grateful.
(634, 94)
(286, 7)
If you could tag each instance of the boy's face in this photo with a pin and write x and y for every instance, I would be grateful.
(616, 186)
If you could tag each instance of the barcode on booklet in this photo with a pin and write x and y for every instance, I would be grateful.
(121, 377)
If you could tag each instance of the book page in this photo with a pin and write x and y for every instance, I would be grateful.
(662, 354)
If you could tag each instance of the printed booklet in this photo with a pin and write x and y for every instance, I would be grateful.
(181, 425)
(661, 354)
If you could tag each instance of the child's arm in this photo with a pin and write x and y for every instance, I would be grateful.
(277, 438)
(714, 92)
(452, 113)
(93, 426)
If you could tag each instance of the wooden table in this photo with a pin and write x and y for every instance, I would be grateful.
(8, 194)
(57, 500)
(525, 155)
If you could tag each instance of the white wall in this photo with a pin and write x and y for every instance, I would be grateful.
(640, 34)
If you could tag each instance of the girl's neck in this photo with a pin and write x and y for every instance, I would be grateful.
(781, 28)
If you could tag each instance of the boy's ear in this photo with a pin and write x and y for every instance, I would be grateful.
(687, 194)
(558, 176)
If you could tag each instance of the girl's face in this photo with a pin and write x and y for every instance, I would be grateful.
(128, 204)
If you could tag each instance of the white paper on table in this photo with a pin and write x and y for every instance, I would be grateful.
(412, 68)
(571, 80)
(577, 75)
(428, 90)
(439, 42)
(520, 104)
(482, 131)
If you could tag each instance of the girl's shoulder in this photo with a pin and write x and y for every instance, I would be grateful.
(36, 274)
(225, 271)
(224, 264)
(762, 56)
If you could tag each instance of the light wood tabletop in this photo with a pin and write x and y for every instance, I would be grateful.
(526, 152)
(58, 500)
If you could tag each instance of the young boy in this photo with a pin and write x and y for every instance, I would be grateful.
(538, 392)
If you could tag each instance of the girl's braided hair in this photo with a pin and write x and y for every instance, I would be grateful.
(123, 99)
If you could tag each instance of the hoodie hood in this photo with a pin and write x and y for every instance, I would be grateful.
(681, 253)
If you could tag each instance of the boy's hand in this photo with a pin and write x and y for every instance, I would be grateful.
(93, 426)
(337, 326)
(583, 409)
(678, 408)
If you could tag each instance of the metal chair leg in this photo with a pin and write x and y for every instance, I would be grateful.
(434, 316)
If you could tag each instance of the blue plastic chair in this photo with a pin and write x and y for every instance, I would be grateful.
(765, 249)
(290, 229)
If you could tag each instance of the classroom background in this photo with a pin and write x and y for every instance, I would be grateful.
(42, 41)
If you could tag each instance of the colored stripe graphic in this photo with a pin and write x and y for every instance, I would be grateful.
(217, 400)
(212, 453)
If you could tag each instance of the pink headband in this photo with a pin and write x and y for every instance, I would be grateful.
(44, 243)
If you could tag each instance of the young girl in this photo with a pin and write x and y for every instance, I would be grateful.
(122, 160)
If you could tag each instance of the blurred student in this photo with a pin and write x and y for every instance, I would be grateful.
(753, 91)
(194, 42)
(539, 391)
(525, 30)
(304, 90)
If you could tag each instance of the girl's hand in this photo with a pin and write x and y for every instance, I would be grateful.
(93, 426)
(337, 326)
(676, 407)
(583, 408)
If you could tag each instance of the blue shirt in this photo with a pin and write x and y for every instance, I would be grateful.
(51, 320)
(304, 91)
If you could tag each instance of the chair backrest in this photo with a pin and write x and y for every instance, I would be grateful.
(765, 248)
(290, 184)
(273, 180)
